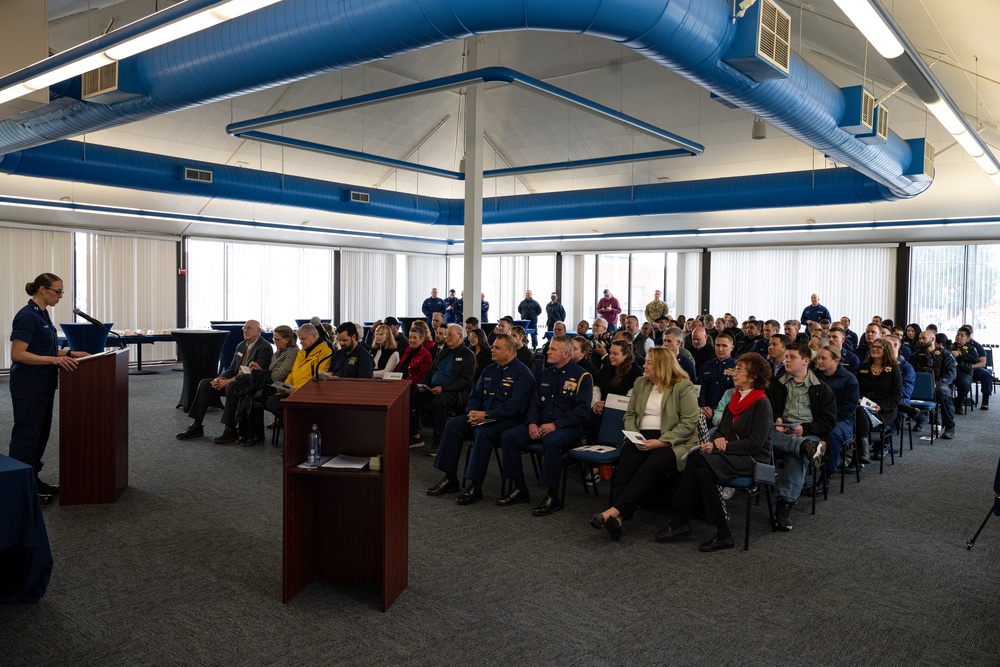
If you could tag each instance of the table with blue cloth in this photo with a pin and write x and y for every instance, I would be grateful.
(25, 558)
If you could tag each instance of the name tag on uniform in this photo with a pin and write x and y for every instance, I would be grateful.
(458, 358)
(392, 376)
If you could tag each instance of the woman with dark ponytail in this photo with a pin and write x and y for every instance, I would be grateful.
(34, 374)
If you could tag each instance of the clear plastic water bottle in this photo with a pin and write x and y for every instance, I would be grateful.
(315, 445)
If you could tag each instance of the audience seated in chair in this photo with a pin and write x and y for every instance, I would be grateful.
(808, 407)
(741, 441)
(664, 408)
(499, 401)
(560, 408)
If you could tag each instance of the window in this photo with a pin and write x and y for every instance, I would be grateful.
(955, 285)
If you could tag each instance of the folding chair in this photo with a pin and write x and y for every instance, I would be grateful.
(607, 449)
(764, 480)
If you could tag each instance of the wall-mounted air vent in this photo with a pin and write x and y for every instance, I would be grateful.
(922, 163)
(859, 110)
(360, 197)
(108, 85)
(199, 175)
(761, 47)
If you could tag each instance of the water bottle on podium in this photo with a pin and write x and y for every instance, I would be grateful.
(315, 446)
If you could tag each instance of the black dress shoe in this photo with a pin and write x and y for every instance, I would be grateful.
(716, 544)
(250, 442)
(671, 532)
(229, 435)
(614, 527)
(598, 521)
(446, 485)
(192, 431)
(548, 505)
(515, 497)
(47, 489)
(473, 494)
(45, 498)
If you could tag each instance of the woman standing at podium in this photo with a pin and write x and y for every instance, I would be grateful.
(34, 374)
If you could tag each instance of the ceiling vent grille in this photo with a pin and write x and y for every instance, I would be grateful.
(360, 197)
(761, 47)
(200, 175)
(775, 34)
(881, 124)
(859, 110)
(921, 167)
(115, 82)
(99, 81)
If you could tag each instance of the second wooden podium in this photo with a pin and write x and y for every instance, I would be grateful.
(93, 430)
(348, 526)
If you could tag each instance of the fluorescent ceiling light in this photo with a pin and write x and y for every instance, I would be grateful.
(68, 71)
(947, 117)
(148, 40)
(871, 25)
(986, 164)
(969, 143)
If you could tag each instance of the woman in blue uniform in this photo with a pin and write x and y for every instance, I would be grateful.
(34, 374)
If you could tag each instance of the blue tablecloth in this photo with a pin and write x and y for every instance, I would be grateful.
(25, 558)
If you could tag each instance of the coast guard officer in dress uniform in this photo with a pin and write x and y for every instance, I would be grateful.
(560, 410)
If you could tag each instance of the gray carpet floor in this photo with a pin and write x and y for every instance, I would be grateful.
(185, 569)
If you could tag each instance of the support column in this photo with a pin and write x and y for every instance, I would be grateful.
(473, 221)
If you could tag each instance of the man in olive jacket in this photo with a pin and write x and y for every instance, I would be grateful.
(808, 405)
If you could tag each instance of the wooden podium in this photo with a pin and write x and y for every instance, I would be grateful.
(93, 430)
(348, 526)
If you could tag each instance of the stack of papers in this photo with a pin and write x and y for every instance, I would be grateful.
(347, 463)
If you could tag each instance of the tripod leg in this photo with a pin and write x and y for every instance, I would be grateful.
(970, 543)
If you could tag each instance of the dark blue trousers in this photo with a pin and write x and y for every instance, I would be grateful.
(32, 423)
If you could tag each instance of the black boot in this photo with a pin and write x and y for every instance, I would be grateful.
(864, 450)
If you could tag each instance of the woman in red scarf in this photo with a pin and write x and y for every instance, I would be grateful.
(742, 439)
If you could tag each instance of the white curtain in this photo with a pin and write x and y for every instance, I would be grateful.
(776, 283)
(272, 283)
(130, 281)
(29, 253)
(368, 281)
(423, 272)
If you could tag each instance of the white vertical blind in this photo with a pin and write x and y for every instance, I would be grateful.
(776, 283)
(368, 281)
(130, 281)
(423, 273)
(29, 253)
(274, 284)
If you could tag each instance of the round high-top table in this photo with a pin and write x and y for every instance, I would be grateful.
(199, 350)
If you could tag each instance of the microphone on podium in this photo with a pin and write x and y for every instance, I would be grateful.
(97, 323)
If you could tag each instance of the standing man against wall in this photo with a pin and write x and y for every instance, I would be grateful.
(431, 305)
(609, 309)
(529, 309)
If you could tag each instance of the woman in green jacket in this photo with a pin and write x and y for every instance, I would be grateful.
(664, 408)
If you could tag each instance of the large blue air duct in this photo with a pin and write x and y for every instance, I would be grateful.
(117, 167)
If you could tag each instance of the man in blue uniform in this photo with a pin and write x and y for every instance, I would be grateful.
(452, 310)
(529, 309)
(716, 376)
(560, 410)
(352, 360)
(498, 402)
(484, 308)
(814, 312)
(431, 305)
(554, 312)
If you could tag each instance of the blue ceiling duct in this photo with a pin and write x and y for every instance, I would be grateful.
(296, 39)
(117, 167)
